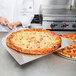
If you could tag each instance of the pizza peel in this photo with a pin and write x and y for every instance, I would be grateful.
(65, 43)
(24, 58)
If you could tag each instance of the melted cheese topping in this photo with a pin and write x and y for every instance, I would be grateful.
(33, 40)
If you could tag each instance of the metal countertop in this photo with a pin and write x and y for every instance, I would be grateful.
(51, 65)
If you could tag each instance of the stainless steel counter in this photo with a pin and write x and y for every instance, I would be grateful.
(50, 65)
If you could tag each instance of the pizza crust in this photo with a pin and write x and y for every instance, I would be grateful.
(33, 41)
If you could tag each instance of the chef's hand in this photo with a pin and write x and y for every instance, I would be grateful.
(3, 21)
(14, 24)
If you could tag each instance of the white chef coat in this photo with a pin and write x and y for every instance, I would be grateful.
(17, 10)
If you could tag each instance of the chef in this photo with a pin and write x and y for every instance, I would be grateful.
(16, 12)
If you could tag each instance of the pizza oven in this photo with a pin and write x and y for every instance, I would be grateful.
(59, 19)
(59, 16)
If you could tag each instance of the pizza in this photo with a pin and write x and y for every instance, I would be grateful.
(71, 37)
(33, 41)
(69, 51)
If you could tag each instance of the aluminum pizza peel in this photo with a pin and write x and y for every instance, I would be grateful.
(65, 43)
(23, 58)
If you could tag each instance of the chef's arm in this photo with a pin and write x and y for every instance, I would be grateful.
(27, 13)
(26, 19)
(14, 24)
(18, 23)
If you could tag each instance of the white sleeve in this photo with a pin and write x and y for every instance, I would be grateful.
(27, 13)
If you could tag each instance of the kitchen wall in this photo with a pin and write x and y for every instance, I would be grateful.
(38, 3)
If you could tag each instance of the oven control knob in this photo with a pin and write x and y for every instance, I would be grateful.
(74, 25)
(64, 25)
(53, 25)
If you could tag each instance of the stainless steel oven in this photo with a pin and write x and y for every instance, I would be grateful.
(59, 19)
(59, 15)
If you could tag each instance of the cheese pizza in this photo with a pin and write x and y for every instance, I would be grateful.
(69, 51)
(33, 41)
